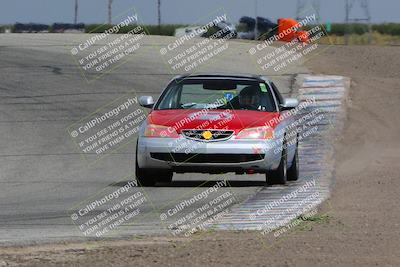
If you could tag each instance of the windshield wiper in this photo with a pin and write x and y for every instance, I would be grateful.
(187, 105)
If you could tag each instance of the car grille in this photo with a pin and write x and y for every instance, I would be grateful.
(208, 135)
(207, 158)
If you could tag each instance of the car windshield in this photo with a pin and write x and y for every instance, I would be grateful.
(217, 94)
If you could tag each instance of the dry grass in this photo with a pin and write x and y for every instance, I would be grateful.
(357, 39)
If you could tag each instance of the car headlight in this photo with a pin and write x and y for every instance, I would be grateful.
(159, 131)
(262, 132)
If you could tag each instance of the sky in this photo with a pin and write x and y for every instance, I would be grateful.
(181, 11)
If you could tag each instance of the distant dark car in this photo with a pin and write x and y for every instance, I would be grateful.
(264, 26)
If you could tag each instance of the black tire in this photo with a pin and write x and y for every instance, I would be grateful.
(293, 171)
(143, 176)
(279, 176)
(149, 177)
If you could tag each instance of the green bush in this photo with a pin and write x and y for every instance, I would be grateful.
(340, 29)
(387, 28)
(96, 28)
(167, 29)
(359, 28)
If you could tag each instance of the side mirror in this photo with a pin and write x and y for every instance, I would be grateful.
(289, 103)
(146, 101)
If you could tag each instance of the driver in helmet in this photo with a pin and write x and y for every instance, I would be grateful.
(250, 98)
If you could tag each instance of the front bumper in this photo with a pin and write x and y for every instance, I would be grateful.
(186, 155)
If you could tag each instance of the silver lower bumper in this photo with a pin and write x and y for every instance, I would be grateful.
(182, 146)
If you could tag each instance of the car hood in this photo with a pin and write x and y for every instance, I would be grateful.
(212, 119)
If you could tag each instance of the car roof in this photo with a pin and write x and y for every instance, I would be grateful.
(222, 76)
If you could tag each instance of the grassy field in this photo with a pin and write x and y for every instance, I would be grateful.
(363, 39)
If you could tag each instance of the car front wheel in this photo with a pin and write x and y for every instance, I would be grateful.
(293, 171)
(279, 176)
(149, 177)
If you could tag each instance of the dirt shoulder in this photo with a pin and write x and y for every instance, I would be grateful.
(362, 228)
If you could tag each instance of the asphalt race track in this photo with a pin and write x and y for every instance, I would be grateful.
(42, 174)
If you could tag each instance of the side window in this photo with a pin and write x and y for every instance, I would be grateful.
(277, 94)
(170, 98)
